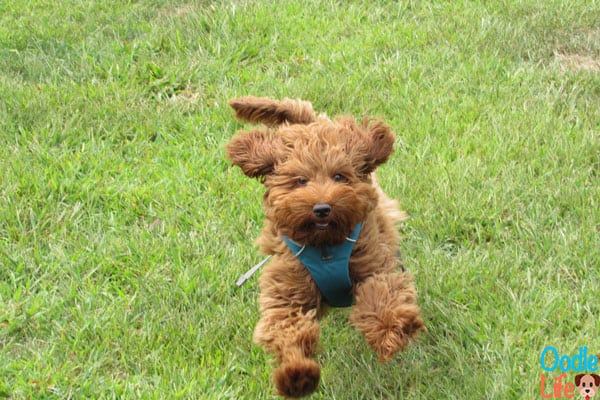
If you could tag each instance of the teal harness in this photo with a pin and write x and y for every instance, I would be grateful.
(328, 265)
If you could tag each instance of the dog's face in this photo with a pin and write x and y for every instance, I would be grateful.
(587, 384)
(317, 175)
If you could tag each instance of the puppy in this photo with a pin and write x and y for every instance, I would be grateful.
(330, 230)
(587, 385)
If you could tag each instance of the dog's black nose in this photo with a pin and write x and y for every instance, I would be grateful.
(321, 210)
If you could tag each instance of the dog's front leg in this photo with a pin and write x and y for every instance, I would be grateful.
(386, 312)
(289, 328)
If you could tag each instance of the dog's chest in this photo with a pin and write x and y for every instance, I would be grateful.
(328, 266)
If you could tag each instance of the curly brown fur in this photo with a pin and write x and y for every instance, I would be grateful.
(305, 160)
(262, 110)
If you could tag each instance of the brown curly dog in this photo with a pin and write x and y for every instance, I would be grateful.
(331, 232)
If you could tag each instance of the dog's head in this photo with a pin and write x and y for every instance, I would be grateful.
(317, 171)
(587, 384)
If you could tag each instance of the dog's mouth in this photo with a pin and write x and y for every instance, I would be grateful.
(317, 231)
(322, 225)
(319, 227)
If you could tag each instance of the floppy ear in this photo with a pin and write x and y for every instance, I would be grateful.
(255, 152)
(596, 379)
(370, 145)
(272, 112)
(578, 379)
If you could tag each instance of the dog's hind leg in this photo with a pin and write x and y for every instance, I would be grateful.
(386, 312)
(272, 112)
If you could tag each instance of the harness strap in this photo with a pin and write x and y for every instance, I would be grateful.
(328, 265)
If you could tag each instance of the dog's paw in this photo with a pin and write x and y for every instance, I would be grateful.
(391, 330)
(396, 332)
(297, 379)
(387, 314)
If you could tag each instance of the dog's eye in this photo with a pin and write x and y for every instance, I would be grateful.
(339, 178)
(302, 181)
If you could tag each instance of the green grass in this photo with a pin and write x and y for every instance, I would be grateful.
(123, 228)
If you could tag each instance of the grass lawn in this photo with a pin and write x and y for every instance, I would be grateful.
(123, 229)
